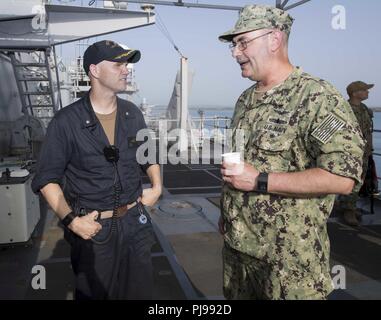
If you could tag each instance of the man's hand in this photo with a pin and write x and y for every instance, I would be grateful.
(150, 196)
(241, 176)
(86, 227)
(221, 225)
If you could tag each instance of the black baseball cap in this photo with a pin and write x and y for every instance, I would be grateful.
(110, 51)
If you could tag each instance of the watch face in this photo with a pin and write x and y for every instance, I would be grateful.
(262, 182)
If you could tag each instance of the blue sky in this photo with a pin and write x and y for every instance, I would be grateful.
(339, 56)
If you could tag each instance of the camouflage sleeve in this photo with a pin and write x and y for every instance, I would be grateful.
(335, 138)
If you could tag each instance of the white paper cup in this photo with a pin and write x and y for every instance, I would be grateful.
(232, 157)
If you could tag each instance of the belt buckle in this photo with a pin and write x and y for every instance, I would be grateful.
(122, 210)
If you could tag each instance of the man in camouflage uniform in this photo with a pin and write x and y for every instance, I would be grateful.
(302, 146)
(358, 91)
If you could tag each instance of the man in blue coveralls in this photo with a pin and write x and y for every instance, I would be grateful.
(89, 175)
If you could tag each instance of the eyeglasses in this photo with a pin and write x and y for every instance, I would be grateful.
(241, 45)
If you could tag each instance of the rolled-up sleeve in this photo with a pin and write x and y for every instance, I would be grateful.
(150, 142)
(336, 139)
(54, 156)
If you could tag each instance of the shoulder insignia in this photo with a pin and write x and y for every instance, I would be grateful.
(325, 131)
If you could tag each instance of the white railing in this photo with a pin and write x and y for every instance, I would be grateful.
(207, 127)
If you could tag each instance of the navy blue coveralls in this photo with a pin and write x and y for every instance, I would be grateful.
(72, 156)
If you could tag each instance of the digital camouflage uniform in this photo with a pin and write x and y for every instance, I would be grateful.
(277, 247)
(301, 124)
(364, 117)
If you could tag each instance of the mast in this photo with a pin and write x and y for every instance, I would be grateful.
(183, 145)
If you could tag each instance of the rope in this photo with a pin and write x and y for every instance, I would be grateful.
(161, 26)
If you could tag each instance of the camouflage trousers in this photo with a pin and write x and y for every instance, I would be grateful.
(247, 278)
(349, 202)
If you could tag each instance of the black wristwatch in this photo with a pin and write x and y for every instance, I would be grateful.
(68, 219)
(262, 182)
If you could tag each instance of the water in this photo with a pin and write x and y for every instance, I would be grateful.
(209, 111)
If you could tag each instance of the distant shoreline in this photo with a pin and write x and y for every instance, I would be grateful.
(225, 108)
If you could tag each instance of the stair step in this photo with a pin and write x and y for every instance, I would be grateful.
(33, 106)
(30, 65)
(45, 111)
(29, 93)
(33, 79)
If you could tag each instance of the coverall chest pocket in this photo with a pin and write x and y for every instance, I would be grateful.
(131, 147)
(273, 153)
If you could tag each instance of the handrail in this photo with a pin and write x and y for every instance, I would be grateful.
(376, 153)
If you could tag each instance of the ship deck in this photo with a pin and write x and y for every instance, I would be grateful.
(187, 256)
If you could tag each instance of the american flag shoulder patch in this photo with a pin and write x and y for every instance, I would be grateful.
(325, 131)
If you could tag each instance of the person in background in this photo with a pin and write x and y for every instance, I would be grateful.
(358, 92)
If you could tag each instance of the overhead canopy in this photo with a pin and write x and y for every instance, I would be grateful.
(66, 24)
(282, 4)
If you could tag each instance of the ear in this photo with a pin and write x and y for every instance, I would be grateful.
(355, 94)
(94, 70)
(277, 40)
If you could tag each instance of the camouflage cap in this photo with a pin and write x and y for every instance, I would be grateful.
(255, 17)
(358, 86)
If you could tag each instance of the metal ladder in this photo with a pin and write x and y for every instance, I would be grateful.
(38, 86)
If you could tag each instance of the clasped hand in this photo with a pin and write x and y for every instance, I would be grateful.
(86, 227)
